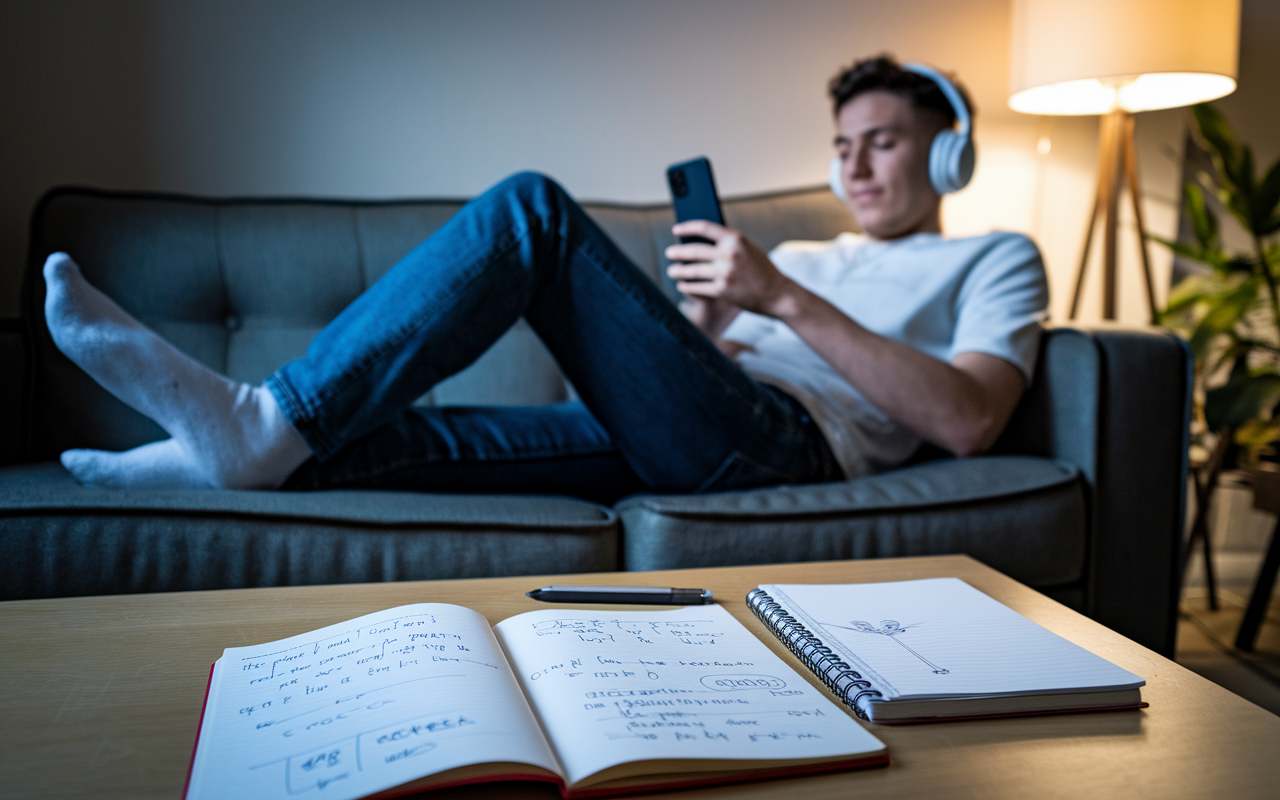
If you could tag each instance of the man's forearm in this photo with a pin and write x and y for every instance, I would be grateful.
(942, 403)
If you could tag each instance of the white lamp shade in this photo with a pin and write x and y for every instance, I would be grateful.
(1093, 56)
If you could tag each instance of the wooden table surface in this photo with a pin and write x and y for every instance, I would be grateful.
(100, 696)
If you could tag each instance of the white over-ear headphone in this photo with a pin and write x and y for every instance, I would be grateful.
(951, 155)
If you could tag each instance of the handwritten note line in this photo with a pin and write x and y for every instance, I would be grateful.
(350, 631)
(351, 697)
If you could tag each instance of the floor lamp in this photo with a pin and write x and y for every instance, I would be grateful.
(1116, 58)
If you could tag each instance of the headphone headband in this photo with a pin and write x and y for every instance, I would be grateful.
(948, 90)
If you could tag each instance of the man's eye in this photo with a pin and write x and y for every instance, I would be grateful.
(884, 142)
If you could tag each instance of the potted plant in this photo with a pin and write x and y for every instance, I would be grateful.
(1230, 315)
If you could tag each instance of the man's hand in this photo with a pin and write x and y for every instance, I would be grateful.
(732, 270)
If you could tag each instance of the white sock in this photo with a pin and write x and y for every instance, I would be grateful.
(226, 435)
(158, 465)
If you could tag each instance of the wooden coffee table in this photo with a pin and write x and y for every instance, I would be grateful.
(100, 696)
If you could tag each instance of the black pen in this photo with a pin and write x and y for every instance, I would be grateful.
(651, 595)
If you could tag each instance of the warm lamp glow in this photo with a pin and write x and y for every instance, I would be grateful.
(1115, 58)
(1144, 93)
(1098, 56)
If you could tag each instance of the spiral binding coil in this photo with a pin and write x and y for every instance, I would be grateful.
(840, 678)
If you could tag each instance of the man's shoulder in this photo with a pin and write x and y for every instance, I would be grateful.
(998, 252)
(995, 241)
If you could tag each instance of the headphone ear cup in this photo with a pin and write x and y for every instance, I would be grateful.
(950, 161)
(835, 179)
(965, 163)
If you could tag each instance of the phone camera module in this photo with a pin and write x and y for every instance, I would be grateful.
(679, 183)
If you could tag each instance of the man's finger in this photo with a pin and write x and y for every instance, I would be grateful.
(700, 227)
(700, 288)
(690, 252)
(694, 272)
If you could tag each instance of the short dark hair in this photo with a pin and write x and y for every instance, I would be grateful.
(882, 73)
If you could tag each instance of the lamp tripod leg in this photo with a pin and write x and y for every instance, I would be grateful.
(1084, 258)
(1110, 152)
(1113, 155)
(1135, 194)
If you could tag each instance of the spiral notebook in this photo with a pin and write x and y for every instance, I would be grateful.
(937, 649)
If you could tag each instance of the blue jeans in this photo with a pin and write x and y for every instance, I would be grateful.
(662, 410)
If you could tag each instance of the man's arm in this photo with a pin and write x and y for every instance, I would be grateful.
(962, 406)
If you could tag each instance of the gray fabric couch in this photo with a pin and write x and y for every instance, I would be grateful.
(1082, 497)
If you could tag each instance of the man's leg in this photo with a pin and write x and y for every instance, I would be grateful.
(681, 415)
(551, 449)
(225, 434)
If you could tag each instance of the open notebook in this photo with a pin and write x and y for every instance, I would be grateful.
(598, 702)
(925, 650)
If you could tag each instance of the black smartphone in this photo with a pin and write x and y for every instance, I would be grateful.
(693, 194)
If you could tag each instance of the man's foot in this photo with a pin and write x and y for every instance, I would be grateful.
(226, 435)
(158, 465)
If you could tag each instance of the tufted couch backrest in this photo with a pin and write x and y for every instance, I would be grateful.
(243, 285)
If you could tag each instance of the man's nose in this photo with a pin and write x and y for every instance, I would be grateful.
(861, 163)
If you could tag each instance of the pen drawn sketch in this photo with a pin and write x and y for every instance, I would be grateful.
(894, 631)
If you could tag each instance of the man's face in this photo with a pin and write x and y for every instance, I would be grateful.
(883, 142)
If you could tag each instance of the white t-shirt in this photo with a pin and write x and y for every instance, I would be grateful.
(943, 296)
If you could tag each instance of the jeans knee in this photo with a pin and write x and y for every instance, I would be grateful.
(530, 184)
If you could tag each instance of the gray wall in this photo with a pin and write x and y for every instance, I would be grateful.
(388, 98)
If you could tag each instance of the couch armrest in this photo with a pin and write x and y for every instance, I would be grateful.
(1115, 402)
(14, 381)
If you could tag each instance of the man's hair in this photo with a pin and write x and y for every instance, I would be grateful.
(883, 74)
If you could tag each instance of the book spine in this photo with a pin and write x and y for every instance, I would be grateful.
(845, 682)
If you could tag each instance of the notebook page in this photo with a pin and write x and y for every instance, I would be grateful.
(361, 706)
(940, 637)
(616, 687)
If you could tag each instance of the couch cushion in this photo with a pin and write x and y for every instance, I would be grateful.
(59, 539)
(1024, 516)
(13, 391)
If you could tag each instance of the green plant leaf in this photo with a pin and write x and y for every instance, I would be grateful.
(1256, 437)
(1233, 165)
(1217, 134)
(1239, 263)
(1225, 312)
(1213, 257)
(1258, 344)
(1240, 198)
(1242, 398)
(1203, 221)
(1244, 171)
(1234, 354)
(1179, 304)
(1216, 131)
(1266, 202)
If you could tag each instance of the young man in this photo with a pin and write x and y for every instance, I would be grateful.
(828, 361)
